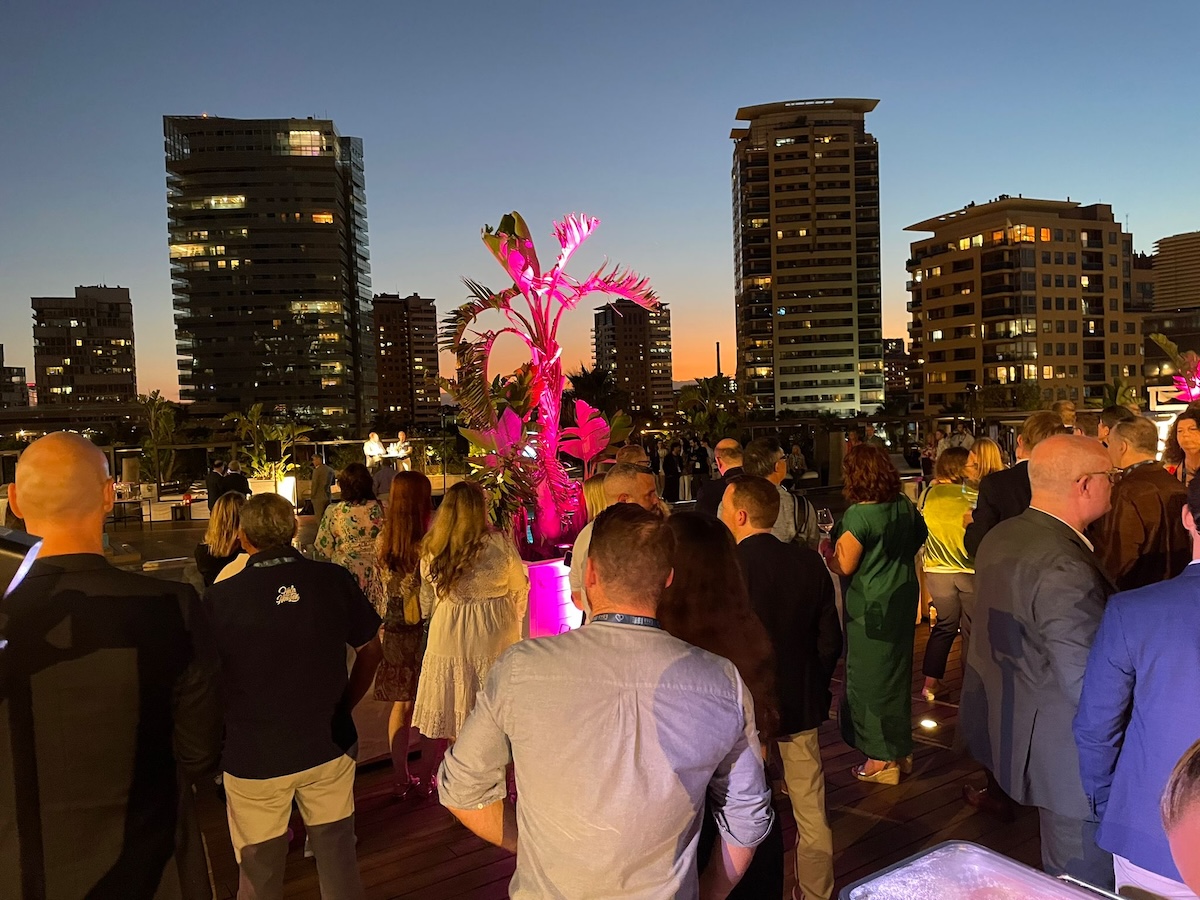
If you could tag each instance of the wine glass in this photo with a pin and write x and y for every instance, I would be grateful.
(825, 521)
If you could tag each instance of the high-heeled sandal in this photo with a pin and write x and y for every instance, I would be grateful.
(403, 792)
(889, 774)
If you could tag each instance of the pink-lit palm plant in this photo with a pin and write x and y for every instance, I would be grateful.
(532, 308)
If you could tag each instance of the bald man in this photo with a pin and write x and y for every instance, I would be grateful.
(113, 672)
(728, 453)
(1040, 596)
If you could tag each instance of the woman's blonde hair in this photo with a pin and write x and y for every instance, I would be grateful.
(594, 496)
(456, 534)
(987, 456)
(222, 532)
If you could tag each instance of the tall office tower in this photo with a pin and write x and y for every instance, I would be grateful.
(83, 348)
(634, 343)
(896, 361)
(269, 264)
(14, 391)
(1023, 301)
(806, 256)
(1168, 283)
(407, 358)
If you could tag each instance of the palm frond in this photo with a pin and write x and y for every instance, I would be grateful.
(618, 282)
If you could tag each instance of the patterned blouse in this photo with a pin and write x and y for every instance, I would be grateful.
(346, 536)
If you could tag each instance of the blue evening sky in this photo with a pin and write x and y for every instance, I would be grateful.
(618, 109)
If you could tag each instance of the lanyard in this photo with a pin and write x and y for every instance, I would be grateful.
(626, 619)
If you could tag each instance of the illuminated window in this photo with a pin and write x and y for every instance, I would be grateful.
(330, 336)
(78, 343)
(305, 143)
(181, 251)
(784, 142)
(330, 381)
(964, 243)
(226, 201)
(315, 306)
(323, 218)
(1045, 235)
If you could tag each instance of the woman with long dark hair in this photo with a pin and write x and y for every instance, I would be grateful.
(398, 576)
(707, 605)
(876, 547)
(1182, 451)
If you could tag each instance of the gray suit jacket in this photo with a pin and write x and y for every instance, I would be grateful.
(1039, 597)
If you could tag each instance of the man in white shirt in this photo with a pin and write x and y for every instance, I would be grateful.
(373, 450)
(624, 483)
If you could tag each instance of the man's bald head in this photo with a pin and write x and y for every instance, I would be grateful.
(62, 477)
(1069, 479)
(1059, 461)
(728, 453)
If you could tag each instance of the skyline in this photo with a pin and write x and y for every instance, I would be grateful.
(620, 112)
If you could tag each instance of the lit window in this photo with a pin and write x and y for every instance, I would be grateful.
(180, 251)
(330, 337)
(315, 306)
(964, 243)
(78, 343)
(323, 218)
(784, 142)
(305, 143)
(1045, 235)
(935, 336)
(227, 201)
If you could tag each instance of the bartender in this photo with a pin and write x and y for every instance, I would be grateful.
(401, 452)
(373, 450)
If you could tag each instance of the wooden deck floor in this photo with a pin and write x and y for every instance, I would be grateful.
(416, 850)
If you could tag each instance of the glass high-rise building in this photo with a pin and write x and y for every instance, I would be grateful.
(270, 267)
(806, 255)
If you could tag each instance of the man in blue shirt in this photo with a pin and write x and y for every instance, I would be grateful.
(618, 732)
(1138, 714)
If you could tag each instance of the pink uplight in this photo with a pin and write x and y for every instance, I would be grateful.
(550, 608)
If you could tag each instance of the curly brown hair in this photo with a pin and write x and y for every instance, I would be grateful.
(707, 604)
(868, 475)
(355, 483)
(1172, 452)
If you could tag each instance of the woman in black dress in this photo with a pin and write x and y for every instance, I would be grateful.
(708, 606)
(672, 470)
(220, 545)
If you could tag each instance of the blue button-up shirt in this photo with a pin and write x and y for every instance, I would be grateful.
(617, 732)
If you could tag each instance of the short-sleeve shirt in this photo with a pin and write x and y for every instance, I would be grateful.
(281, 628)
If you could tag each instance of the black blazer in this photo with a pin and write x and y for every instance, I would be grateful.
(792, 592)
(1002, 495)
(711, 492)
(1039, 597)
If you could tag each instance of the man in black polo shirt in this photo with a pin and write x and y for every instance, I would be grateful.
(282, 626)
(792, 592)
(109, 710)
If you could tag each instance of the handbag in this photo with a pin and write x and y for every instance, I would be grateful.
(400, 599)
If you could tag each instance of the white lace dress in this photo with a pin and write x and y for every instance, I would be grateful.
(471, 625)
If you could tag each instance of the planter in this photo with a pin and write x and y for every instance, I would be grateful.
(550, 608)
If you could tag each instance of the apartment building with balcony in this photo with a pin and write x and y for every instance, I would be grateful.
(634, 343)
(407, 358)
(1168, 281)
(806, 255)
(1025, 301)
(14, 390)
(83, 351)
(270, 268)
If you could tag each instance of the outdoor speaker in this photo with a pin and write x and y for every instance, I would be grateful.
(273, 450)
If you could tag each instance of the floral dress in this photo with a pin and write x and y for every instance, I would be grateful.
(403, 645)
(346, 536)
(470, 625)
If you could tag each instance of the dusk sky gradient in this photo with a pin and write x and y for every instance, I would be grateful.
(621, 110)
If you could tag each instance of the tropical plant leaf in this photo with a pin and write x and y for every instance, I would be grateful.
(617, 282)
(571, 232)
(621, 426)
(588, 437)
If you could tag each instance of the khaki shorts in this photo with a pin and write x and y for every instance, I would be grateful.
(259, 808)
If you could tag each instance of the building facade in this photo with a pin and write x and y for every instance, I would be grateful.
(407, 358)
(1170, 281)
(1021, 302)
(83, 350)
(806, 256)
(896, 365)
(634, 343)
(14, 390)
(270, 268)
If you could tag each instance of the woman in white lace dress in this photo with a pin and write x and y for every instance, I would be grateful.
(475, 591)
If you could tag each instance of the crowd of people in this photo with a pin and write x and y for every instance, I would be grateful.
(703, 672)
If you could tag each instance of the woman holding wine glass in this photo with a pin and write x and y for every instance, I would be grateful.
(876, 548)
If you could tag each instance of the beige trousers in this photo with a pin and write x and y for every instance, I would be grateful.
(259, 808)
(801, 755)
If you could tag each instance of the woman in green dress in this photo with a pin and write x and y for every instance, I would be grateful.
(876, 548)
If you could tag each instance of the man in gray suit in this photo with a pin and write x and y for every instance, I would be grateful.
(1040, 595)
(322, 479)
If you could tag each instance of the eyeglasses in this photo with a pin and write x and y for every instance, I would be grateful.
(1113, 475)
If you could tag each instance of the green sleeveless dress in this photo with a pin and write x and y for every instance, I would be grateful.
(881, 609)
